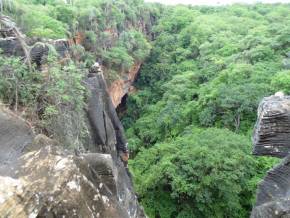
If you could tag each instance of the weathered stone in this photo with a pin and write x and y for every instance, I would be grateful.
(272, 131)
(273, 197)
(62, 47)
(271, 137)
(51, 183)
(39, 53)
(121, 87)
(107, 130)
(11, 47)
(15, 135)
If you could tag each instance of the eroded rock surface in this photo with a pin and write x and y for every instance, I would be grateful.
(119, 88)
(271, 137)
(50, 183)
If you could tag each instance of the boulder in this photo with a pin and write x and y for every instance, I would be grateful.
(62, 47)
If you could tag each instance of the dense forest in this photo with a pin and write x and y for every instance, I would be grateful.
(189, 124)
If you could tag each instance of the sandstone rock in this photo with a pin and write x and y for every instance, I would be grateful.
(15, 135)
(119, 88)
(271, 137)
(51, 183)
(273, 198)
(272, 131)
(106, 128)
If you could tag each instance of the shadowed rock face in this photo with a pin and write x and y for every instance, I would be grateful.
(271, 137)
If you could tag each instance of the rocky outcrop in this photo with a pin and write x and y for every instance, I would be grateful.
(272, 130)
(119, 88)
(48, 182)
(271, 137)
(11, 46)
(106, 129)
(39, 178)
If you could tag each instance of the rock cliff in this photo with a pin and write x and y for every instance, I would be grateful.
(39, 178)
(119, 88)
(271, 137)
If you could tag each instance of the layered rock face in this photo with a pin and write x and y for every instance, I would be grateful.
(39, 178)
(272, 131)
(271, 137)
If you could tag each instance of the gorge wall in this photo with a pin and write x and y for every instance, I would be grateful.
(119, 88)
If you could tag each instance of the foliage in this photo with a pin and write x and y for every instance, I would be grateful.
(202, 173)
(189, 123)
(18, 86)
(63, 102)
(209, 67)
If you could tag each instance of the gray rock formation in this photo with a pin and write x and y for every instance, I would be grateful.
(271, 137)
(107, 129)
(40, 179)
(11, 47)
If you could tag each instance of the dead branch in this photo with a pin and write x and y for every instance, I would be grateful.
(8, 23)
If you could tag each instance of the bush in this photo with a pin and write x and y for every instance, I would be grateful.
(18, 85)
(118, 59)
(63, 101)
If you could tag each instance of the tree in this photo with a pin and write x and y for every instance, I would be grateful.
(203, 173)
